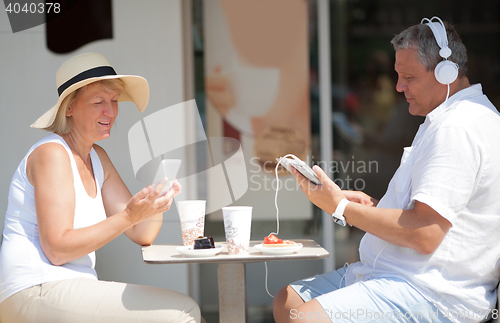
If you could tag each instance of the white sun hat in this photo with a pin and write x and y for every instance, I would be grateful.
(87, 68)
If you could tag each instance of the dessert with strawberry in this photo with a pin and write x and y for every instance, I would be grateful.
(272, 241)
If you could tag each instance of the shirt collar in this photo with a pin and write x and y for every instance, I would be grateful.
(470, 91)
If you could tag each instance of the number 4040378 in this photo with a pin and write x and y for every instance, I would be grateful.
(33, 7)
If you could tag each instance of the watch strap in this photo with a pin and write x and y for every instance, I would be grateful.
(338, 215)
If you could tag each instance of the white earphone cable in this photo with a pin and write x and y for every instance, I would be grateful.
(276, 199)
(346, 266)
(267, 290)
(277, 210)
(376, 258)
(277, 188)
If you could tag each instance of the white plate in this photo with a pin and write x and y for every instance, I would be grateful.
(278, 250)
(189, 251)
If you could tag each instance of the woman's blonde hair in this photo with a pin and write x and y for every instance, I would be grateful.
(62, 124)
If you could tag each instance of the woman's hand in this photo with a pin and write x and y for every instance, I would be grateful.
(143, 211)
(148, 202)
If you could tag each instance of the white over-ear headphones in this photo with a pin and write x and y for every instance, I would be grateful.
(446, 72)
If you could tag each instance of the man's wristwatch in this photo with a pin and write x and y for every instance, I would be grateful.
(338, 215)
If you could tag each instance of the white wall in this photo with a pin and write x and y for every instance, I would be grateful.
(148, 42)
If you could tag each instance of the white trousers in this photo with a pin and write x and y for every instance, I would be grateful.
(84, 300)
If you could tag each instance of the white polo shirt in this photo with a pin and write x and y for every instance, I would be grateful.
(453, 166)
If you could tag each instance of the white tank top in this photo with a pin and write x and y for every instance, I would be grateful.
(22, 261)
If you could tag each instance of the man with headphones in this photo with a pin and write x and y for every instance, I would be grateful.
(431, 250)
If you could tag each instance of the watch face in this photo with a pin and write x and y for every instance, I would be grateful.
(338, 221)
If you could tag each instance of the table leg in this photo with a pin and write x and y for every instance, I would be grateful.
(232, 293)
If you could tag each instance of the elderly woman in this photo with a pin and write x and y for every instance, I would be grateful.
(67, 200)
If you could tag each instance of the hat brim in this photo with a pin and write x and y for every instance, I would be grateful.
(136, 89)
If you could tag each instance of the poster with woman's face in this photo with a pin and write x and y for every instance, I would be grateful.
(257, 90)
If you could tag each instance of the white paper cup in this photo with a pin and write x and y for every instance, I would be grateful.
(237, 226)
(192, 216)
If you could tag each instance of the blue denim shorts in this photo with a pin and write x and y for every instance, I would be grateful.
(378, 299)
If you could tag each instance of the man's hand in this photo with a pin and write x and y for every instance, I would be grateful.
(360, 197)
(326, 196)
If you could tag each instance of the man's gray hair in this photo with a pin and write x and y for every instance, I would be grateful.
(422, 39)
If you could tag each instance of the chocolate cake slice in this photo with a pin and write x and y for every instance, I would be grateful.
(204, 243)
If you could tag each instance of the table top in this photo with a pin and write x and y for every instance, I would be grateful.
(168, 254)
